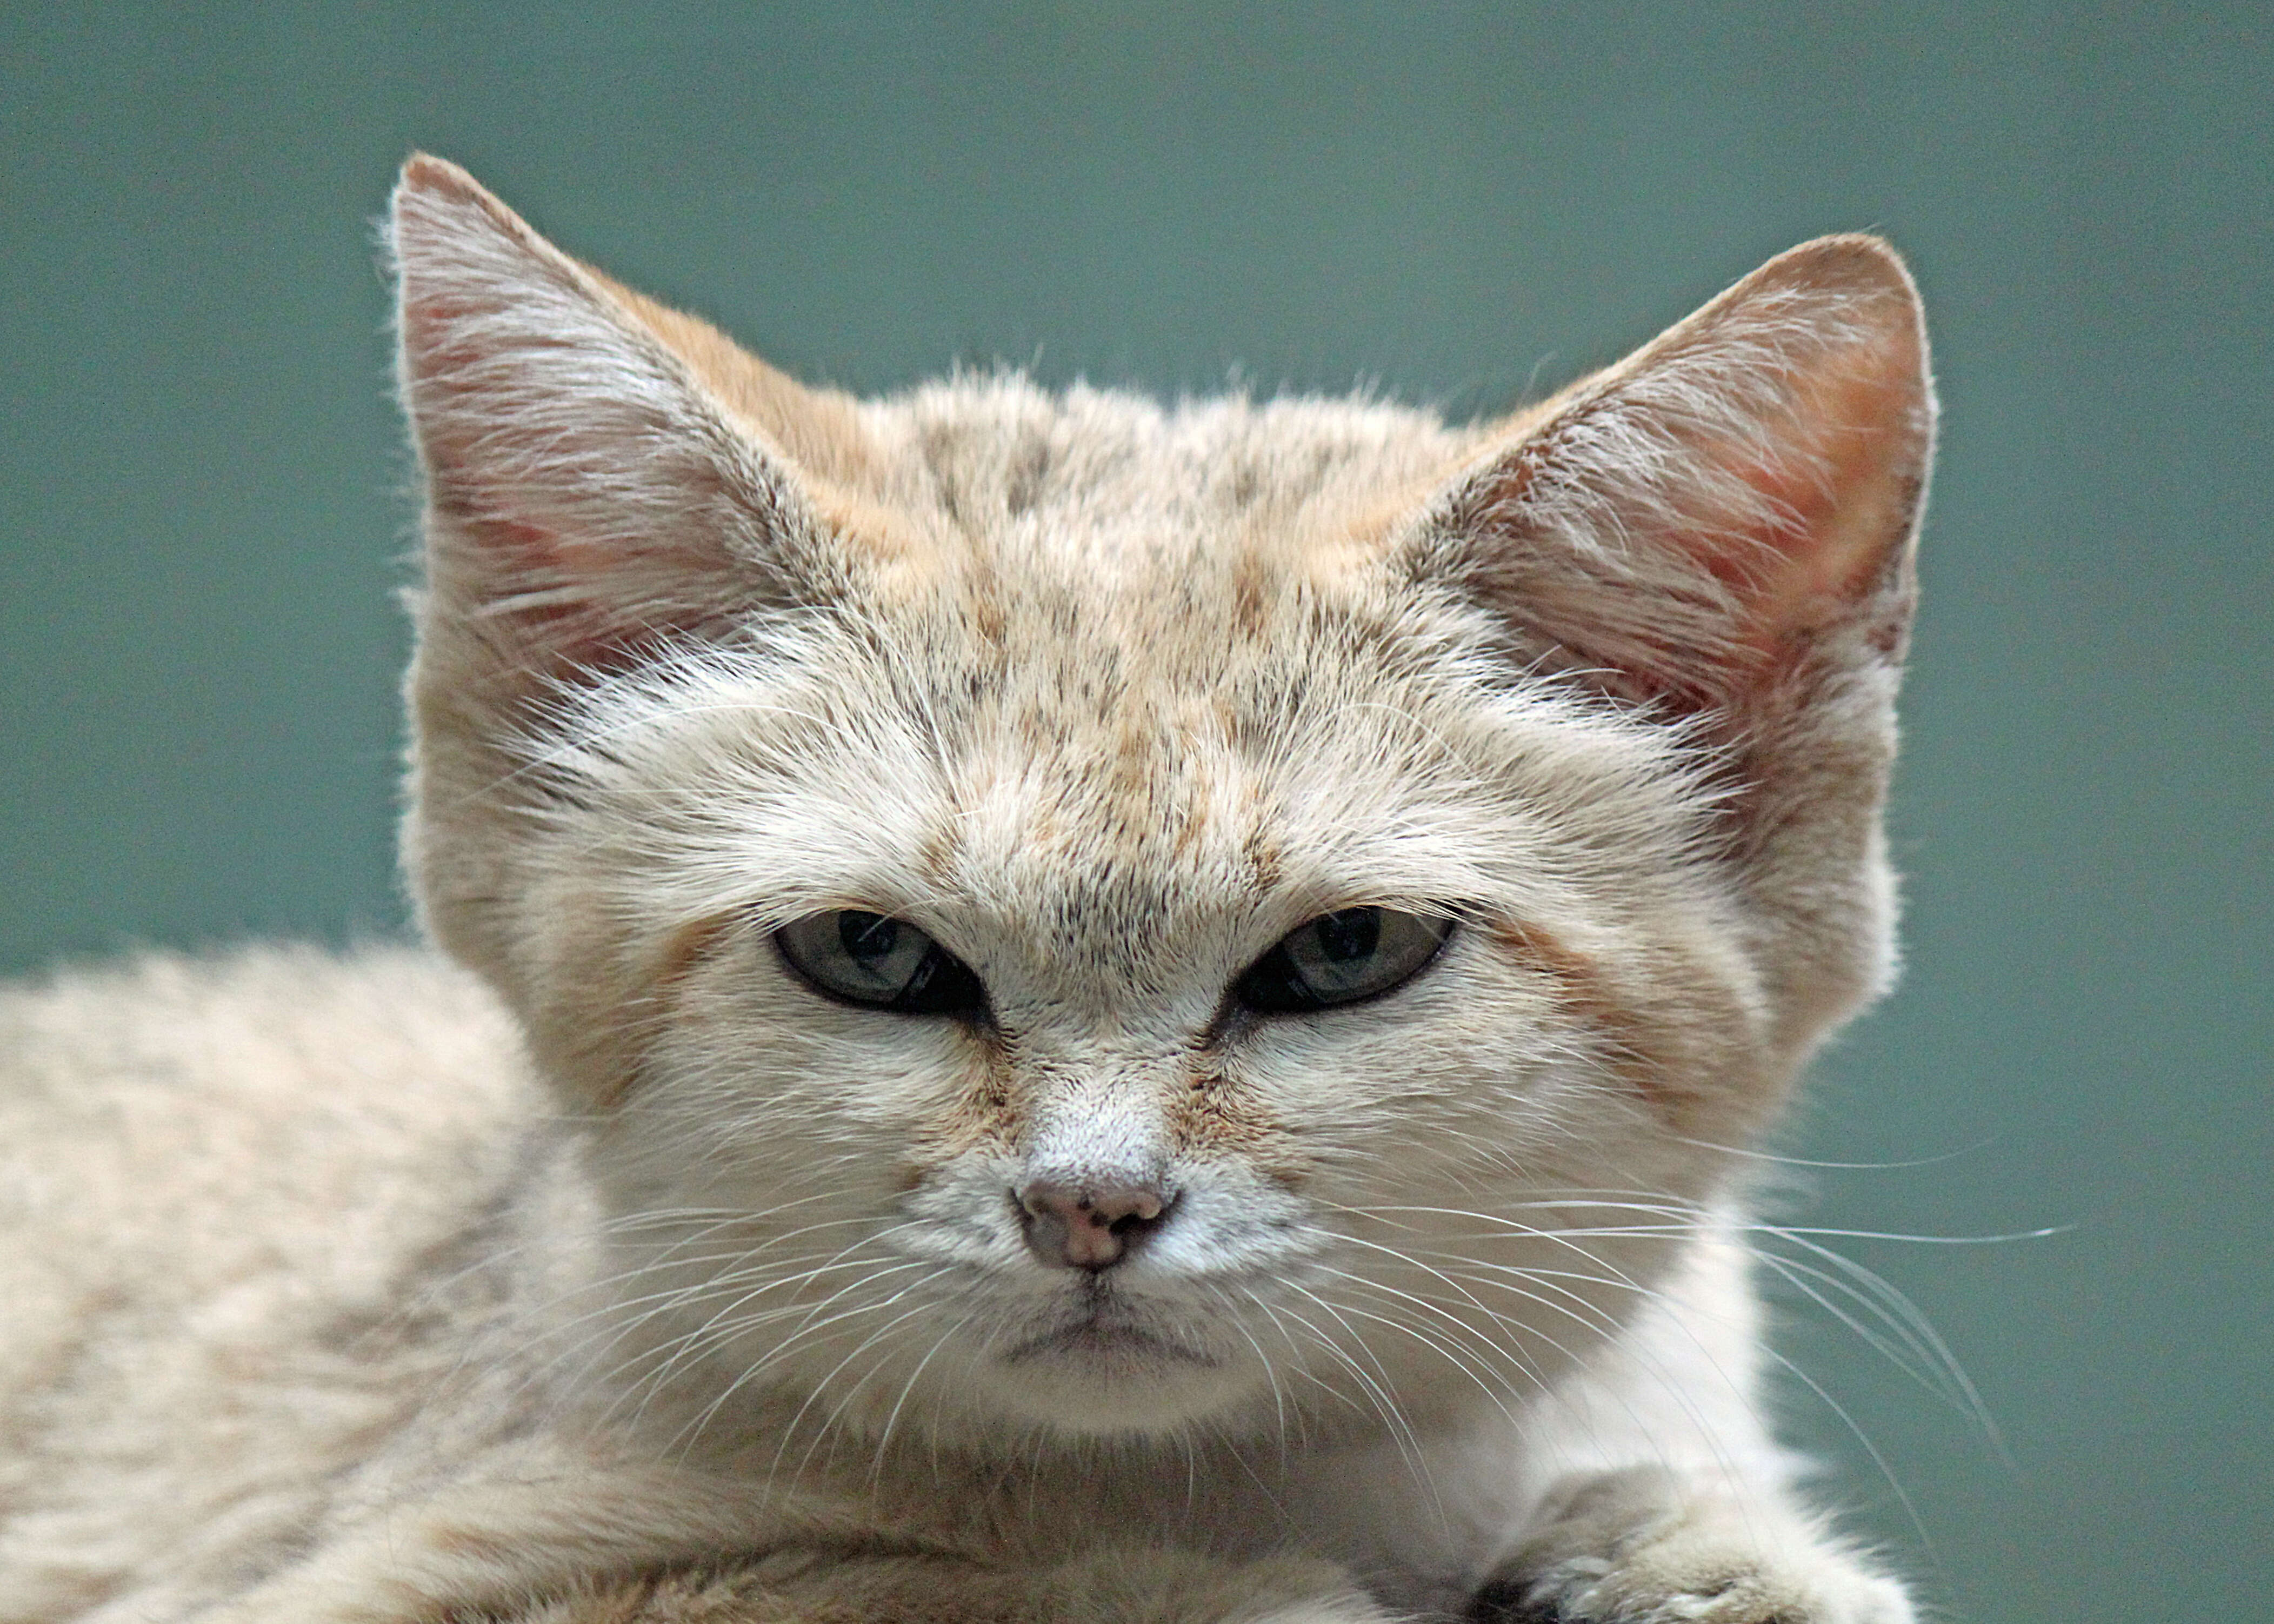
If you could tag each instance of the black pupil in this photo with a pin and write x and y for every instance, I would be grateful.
(1354, 933)
(867, 936)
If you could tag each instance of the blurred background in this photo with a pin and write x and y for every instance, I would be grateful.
(201, 526)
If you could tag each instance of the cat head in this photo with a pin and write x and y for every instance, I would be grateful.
(1094, 903)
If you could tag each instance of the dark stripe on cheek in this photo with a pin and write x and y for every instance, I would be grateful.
(1634, 1048)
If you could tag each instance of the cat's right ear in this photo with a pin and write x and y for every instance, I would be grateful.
(599, 472)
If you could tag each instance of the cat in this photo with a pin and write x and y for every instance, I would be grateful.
(1048, 1007)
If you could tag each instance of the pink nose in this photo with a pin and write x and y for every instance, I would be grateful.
(1088, 1227)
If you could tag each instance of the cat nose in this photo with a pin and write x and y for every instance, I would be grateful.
(1089, 1227)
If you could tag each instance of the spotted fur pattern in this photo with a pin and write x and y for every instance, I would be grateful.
(601, 1271)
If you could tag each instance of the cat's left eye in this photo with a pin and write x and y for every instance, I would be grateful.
(1340, 958)
(857, 957)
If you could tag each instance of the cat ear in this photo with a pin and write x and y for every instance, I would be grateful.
(601, 473)
(1720, 530)
(1727, 510)
(1688, 527)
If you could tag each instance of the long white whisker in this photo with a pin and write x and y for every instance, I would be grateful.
(1409, 1445)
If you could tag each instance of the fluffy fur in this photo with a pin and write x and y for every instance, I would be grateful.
(610, 1274)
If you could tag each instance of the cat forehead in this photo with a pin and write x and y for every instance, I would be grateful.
(1108, 489)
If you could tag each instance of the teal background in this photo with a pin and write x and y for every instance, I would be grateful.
(201, 526)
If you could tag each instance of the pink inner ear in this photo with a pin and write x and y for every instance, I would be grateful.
(1693, 523)
(526, 577)
(430, 324)
(562, 602)
(573, 604)
(588, 497)
(1833, 512)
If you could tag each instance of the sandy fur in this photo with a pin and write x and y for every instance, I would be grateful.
(593, 1269)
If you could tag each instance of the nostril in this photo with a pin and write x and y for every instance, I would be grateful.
(1129, 1222)
(1092, 1226)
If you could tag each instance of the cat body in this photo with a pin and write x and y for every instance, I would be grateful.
(1057, 1006)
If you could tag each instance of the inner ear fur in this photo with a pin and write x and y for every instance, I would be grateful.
(1684, 528)
(602, 472)
(1718, 531)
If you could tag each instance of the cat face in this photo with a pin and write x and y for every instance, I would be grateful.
(1068, 912)
(1107, 834)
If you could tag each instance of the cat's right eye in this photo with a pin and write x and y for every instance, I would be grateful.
(857, 957)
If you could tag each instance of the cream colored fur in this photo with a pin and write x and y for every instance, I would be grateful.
(611, 1274)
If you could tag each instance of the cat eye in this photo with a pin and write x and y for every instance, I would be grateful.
(857, 957)
(1340, 958)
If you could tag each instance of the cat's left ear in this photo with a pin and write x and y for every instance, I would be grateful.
(1687, 526)
(1718, 532)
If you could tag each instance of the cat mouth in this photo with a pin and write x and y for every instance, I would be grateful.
(1105, 1335)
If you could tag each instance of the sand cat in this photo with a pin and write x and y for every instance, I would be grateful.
(1044, 1007)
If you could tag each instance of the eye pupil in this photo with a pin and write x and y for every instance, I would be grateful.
(1353, 933)
(868, 937)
